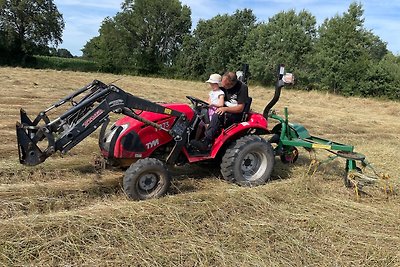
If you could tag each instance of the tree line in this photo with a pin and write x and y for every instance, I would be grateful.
(28, 27)
(154, 37)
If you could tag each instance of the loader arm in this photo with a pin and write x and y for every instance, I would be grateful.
(84, 117)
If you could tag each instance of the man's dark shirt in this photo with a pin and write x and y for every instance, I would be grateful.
(238, 94)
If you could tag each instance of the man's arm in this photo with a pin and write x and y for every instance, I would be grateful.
(235, 109)
(242, 98)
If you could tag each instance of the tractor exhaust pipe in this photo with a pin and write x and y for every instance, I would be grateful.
(281, 82)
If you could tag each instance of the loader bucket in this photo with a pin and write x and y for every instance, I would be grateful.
(29, 153)
(28, 135)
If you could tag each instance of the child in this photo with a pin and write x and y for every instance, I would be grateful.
(216, 95)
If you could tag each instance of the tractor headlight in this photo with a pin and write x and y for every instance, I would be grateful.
(114, 130)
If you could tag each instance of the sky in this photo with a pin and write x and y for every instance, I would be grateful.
(83, 18)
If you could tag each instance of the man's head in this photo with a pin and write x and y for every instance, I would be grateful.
(229, 79)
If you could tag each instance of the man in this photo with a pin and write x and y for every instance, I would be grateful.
(236, 95)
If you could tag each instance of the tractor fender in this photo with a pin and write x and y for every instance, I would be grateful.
(236, 131)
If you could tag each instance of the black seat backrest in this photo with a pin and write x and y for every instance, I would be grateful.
(246, 109)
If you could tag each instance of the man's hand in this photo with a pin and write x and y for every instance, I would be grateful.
(234, 109)
(221, 110)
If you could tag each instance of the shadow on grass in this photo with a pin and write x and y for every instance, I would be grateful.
(186, 178)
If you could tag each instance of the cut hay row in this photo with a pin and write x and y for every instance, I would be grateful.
(64, 213)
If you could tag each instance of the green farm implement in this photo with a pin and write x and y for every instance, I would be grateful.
(288, 136)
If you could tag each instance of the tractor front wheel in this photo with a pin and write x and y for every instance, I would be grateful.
(249, 161)
(146, 178)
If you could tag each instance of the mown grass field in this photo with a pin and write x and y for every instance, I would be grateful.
(63, 213)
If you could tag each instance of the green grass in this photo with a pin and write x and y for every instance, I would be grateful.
(58, 63)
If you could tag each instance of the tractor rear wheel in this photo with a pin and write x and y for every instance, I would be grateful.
(249, 161)
(146, 178)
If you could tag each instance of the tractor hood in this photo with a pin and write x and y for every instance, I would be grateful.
(130, 138)
(156, 117)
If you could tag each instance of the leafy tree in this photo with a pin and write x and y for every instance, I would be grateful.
(216, 44)
(345, 51)
(152, 37)
(286, 38)
(62, 52)
(30, 24)
(190, 62)
(111, 48)
(145, 36)
(377, 48)
(91, 48)
(3, 48)
(382, 78)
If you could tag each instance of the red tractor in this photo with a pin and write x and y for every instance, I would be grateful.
(150, 137)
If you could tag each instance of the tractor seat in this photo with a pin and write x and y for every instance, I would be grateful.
(246, 109)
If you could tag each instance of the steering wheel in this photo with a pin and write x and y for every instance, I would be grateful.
(197, 102)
